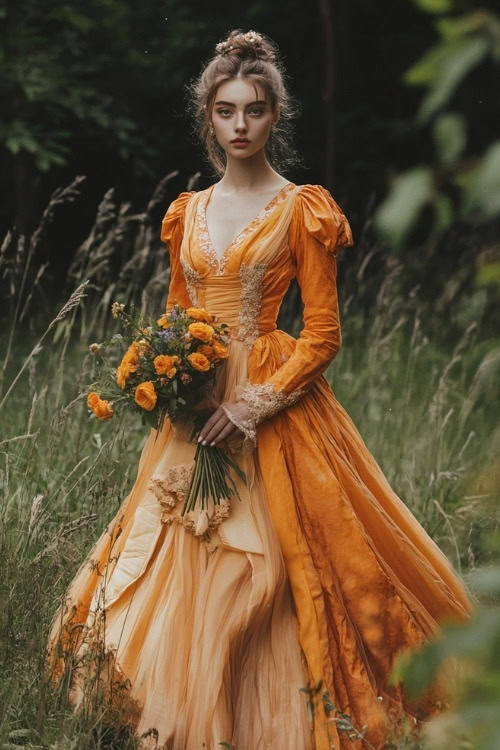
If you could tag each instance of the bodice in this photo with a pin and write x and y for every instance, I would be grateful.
(246, 286)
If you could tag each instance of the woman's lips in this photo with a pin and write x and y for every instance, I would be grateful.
(240, 143)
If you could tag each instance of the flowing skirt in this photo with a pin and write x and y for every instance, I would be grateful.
(189, 638)
(203, 630)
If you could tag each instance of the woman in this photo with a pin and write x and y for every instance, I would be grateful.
(202, 630)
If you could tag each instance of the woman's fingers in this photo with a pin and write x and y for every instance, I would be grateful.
(217, 428)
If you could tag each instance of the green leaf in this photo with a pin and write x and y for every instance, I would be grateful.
(459, 58)
(449, 136)
(435, 6)
(410, 191)
(482, 194)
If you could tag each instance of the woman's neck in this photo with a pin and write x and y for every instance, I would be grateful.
(254, 173)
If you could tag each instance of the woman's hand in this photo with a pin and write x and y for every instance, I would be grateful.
(219, 427)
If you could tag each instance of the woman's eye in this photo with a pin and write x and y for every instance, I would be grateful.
(255, 111)
(224, 112)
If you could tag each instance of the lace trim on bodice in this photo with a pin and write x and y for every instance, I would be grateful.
(192, 281)
(219, 264)
(252, 278)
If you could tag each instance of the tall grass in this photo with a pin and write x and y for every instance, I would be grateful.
(421, 405)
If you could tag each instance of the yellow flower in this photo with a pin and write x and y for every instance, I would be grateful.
(102, 409)
(206, 350)
(164, 363)
(143, 346)
(122, 375)
(220, 351)
(171, 373)
(145, 395)
(92, 399)
(200, 314)
(163, 322)
(117, 309)
(201, 331)
(131, 356)
(199, 362)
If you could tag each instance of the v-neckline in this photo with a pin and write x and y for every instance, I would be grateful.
(211, 256)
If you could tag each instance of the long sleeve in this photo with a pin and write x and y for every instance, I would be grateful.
(172, 231)
(318, 230)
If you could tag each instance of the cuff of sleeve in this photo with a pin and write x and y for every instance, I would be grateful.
(264, 401)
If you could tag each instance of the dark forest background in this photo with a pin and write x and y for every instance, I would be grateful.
(400, 97)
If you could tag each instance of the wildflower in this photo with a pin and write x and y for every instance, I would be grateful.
(163, 322)
(116, 309)
(94, 348)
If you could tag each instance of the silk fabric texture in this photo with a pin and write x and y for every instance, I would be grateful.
(318, 573)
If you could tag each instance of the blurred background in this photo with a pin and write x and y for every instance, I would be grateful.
(400, 120)
(400, 96)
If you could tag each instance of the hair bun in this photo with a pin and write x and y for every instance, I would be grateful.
(250, 45)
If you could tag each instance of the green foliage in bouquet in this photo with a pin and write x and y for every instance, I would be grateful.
(167, 369)
(167, 365)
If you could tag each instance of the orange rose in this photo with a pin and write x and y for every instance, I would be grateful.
(145, 395)
(163, 363)
(200, 314)
(220, 351)
(171, 373)
(102, 409)
(199, 361)
(92, 399)
(207, 351)
(201, 331)
(131, 356)
(143, 346)
(122, 374)
(163, 322)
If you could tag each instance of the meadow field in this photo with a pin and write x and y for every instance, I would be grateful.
(422, 391)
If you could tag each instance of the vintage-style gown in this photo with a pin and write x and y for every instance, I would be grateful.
(206, 627)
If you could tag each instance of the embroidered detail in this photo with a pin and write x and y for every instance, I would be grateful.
(251, 296)
(206, 246)
(170, 491)
(264, 402)
(192, 281)
(172, 488)
(284, 357)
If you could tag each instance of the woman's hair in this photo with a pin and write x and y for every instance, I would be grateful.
(255, 57)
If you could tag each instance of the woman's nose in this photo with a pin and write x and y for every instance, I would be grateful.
(240, 121)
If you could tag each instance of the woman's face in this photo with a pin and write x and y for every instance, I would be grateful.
(241, 111)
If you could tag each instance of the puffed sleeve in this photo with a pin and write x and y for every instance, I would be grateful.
(172, 231)
(318, 230)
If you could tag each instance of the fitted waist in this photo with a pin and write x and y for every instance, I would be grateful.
(236, 301)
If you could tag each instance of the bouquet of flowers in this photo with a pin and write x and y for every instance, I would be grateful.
(167, 369)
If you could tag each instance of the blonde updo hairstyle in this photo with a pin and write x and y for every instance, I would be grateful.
(253, 56)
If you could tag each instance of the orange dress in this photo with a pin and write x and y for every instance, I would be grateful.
(202, 629)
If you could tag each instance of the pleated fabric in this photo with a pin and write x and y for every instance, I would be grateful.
(195, 640)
